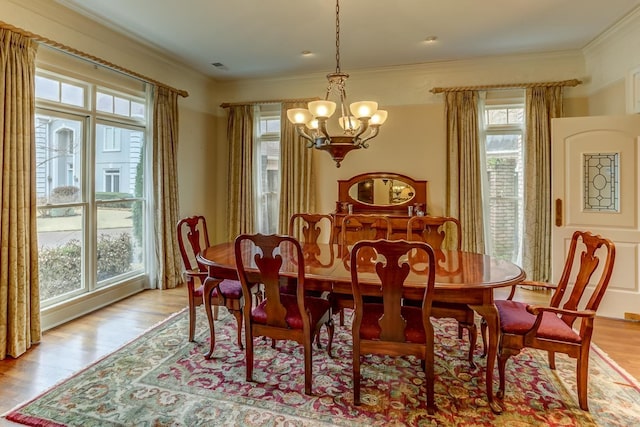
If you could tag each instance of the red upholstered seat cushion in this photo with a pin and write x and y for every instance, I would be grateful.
(370, 328)
(231, 289)
(515, 319)
(317, 307)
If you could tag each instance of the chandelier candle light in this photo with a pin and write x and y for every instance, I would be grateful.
(359, 124)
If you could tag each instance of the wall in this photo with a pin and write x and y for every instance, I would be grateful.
(412, 141)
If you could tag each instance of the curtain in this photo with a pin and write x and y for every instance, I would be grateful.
(165, 184)
(19, 295)
(241, 210)
(464, 177)
(542, 104)
(297, 180)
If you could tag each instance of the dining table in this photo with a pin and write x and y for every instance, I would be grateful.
(461, 277)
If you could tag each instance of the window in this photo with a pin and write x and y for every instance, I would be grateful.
(109, 140)
(503, 122)
(90, 180)
(112, 180)
(267, 173)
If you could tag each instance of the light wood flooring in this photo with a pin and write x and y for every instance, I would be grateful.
(72, 346)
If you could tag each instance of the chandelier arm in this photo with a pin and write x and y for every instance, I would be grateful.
(364, 125)
(373, 134)
(322, 129)
(303, 134)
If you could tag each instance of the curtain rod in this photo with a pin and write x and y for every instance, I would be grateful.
(270, 101)
(573, 82)
(83, 55)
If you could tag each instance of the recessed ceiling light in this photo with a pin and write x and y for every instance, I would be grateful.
(306, 53)
(430, 39)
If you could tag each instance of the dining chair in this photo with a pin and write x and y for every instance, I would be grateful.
(445, 233)
(354, 228)
(279, 316)
(384, 325)
(311, 227)
(192, 238)
(550, 328)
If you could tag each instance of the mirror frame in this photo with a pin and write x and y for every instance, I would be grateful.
(344, 185)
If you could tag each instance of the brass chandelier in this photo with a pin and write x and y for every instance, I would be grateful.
(360, 123)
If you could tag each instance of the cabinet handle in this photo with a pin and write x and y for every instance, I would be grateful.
(558, 212)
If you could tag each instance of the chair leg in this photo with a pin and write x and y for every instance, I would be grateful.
(248, 334)
(215, 312)
(308, 363)
(192, 320)
(552, 359)
(238, 315)
(473, 339)
(342, 317)
(483, 335)
(330, 330)
(582, 373)
(356, 375)
(502, 363)
(429, 373)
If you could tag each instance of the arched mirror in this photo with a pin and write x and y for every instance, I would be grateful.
(385, 191)
(381, 192)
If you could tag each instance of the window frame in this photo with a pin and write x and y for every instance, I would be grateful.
(93, 294)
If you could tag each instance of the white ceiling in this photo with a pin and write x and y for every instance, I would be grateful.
(260, 38)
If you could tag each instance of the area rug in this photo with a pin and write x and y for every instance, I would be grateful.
(161, 379)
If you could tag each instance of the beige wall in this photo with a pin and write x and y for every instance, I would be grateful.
(412, 140)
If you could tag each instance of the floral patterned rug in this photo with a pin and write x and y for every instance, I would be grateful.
(161, 379)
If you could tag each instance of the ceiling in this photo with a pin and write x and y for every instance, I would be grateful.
(263, 38)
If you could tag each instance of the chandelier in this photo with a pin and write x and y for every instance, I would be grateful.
(360, 123)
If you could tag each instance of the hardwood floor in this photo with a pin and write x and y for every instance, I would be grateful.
(68, 348)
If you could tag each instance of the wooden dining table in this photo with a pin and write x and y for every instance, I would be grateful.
(461, 278)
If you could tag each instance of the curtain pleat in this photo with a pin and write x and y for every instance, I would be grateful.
(464, 176)
(165, 184)
(19, 286)
(542, 104)
(241, 210)
(297, 180)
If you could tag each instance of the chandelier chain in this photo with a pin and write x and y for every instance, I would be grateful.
(337, 36)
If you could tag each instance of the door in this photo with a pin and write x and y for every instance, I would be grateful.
(595, 187)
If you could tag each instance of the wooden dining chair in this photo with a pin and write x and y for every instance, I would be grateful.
(280, 316)
(354, 228)
(384, 325)
(311, 227)
(445, 233)
(192, 238)
(550, 327)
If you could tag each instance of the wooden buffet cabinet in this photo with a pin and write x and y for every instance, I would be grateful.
(381, 193)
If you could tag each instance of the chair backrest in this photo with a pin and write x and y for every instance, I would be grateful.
(192, 238)
(441, 232)
(264, 257)
(391, 270)
(364, 227)
(311, 228)
(586, 252)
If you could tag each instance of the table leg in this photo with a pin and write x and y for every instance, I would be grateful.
(490, 314)
(208, 287)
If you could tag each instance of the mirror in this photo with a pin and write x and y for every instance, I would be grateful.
(381, 191)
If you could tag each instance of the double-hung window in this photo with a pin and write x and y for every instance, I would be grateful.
(503, 127)
(267, 169)
(91, 178)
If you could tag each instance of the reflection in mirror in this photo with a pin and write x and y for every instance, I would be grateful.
(381, 191)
